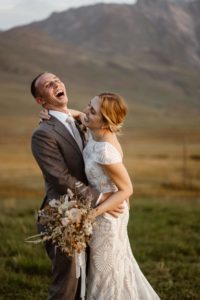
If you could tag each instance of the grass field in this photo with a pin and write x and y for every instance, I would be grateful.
(164, 236)
(162, 155)
(160, 161)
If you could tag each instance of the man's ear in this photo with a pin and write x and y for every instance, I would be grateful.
(40, 101)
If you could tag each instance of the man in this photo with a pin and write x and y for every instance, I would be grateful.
(58, 151)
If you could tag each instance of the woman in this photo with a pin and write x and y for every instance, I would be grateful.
(113, 271)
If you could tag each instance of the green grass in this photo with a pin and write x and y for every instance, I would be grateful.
(165, 240)
(164, 235)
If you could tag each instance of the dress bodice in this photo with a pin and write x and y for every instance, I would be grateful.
(95, 155)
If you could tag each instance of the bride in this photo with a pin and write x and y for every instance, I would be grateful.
(113, 272)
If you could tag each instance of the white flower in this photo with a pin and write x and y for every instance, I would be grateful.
(65, 221)
(71, 204)
(54, 203)
(66, 200)
(75, 215)
(88, 228)
(63, 207)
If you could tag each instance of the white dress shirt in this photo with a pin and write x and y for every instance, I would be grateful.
(61, 116)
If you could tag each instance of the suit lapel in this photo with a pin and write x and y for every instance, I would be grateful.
(62, 130)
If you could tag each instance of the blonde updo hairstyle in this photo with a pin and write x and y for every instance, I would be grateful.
(113, 109)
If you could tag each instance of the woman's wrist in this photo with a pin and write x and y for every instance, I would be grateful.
(93, 213)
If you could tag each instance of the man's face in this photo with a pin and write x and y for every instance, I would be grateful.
(52, 92)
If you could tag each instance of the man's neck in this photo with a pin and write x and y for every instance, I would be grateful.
(61, 109)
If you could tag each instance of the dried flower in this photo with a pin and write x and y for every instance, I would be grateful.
(67, 223)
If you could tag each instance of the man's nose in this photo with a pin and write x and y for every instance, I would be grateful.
(54, 84)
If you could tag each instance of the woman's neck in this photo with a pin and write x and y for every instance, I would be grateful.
(102, 135)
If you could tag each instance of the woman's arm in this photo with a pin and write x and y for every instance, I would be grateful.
(119, 175)
(44, 114)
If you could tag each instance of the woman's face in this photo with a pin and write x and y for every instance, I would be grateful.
(93, 118)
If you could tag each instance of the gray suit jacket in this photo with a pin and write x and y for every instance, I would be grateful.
(62, 165)
(60, 160)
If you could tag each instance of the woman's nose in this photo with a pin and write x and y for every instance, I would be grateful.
(85, 110)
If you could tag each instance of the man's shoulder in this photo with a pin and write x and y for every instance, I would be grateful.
(49, 128)
(44, 127)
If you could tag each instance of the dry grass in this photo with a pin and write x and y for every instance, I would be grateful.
(156, 164)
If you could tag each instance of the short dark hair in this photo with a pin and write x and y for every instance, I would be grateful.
(34, 91)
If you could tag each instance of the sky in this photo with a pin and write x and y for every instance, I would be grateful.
(20, 12)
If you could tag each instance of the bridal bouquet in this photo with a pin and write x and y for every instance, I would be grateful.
(67, 223)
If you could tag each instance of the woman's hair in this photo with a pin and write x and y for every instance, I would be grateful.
(113, 109)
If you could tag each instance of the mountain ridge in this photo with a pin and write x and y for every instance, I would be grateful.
(141, 26)
(150, 65)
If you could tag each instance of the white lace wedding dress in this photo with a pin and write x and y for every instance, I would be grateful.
(113, 271)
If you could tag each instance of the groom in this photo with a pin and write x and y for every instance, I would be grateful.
(57, 149)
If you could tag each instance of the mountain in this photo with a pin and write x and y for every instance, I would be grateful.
(155, 30)
(149, 52)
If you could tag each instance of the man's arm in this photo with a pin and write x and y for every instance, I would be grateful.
(50, 160)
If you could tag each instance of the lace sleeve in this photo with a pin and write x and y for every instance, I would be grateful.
(107, 154)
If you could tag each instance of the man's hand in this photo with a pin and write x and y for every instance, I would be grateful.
(117, 211)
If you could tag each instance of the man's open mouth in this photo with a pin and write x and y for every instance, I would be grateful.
(60, 94)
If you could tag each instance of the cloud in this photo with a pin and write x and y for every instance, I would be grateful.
(7, 5)
(24, 11)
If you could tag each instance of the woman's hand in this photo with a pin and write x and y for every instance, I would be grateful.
(115, 212)
(77, 115)
(44, 115)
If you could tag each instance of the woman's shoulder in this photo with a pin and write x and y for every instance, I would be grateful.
(107, 153)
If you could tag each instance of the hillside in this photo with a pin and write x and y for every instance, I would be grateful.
(157, 30)
(148, 52)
